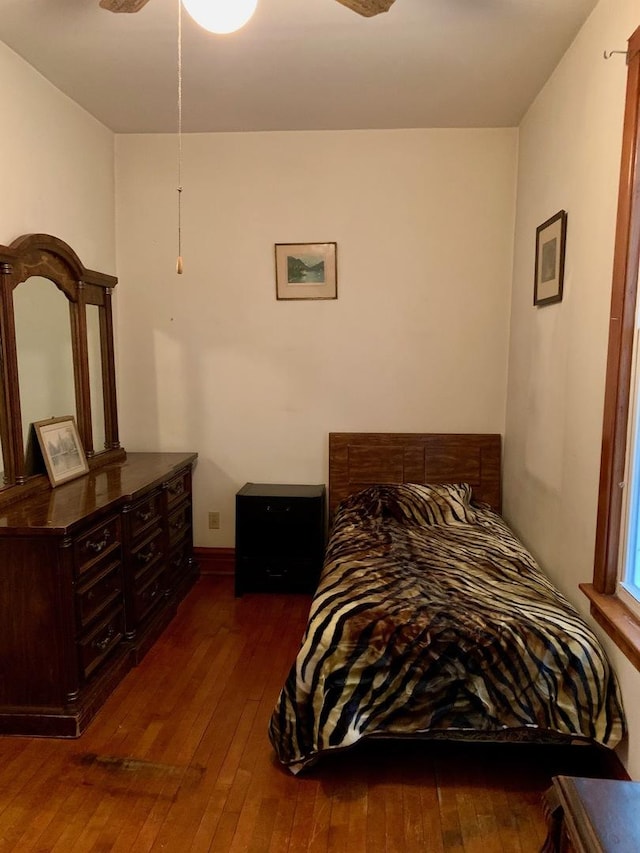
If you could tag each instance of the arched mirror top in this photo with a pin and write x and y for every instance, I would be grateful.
(52, 258)
(92, 366)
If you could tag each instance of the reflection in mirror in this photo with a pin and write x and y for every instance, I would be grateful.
(95, 377)
(44, 352)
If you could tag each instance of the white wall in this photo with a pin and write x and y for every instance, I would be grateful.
(417, 339)
(569, 157)
(56, 167)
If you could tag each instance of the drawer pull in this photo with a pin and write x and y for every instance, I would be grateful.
(144, 516)
(102, 644)
(176, 489)
(145, 557)
(100, 544)
(150, 594)
(276, 508)
(177, 525)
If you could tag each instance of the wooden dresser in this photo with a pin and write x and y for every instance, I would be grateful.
(90, 574)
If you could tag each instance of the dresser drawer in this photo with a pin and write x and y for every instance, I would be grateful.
(147, 554)
(178, 488)
(148, 594)
(178, 563)
(277, 509)
(179, 524)
(273, 574)
(96, 645)
(99, 591)
(145, 514)
(91, 546)
(280, 528)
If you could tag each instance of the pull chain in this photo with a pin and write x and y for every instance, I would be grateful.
(179, 261)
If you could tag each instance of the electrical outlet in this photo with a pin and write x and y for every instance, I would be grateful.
(214, 521)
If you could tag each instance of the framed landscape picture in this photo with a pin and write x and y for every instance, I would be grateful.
(61, 449)
(550, 247)
(306, 271)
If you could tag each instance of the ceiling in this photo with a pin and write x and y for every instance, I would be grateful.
(299, 64)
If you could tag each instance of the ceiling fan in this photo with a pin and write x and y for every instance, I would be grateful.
(368, 8)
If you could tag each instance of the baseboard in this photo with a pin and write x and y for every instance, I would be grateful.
(216, 561)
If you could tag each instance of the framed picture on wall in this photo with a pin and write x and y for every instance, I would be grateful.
(61, 449)
(550, 246)
(306, 271)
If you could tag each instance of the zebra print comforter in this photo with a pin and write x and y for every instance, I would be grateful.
(431, 619)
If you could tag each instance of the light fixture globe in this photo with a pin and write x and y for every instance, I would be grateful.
(220, 16)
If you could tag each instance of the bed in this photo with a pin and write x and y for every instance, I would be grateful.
(430, 618)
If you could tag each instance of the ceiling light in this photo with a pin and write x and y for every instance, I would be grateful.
(220, 16)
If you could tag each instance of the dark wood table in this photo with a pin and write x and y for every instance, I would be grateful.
(592, 816)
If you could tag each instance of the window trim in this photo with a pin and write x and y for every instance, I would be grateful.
(607, 608)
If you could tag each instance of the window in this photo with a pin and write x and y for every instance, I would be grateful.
(613, 594)
(628, 587)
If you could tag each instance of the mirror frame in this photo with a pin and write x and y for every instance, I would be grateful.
(51, 258)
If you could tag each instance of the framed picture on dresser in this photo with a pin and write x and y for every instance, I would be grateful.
(61, 448)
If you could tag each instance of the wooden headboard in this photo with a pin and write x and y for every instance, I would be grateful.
(361, 459)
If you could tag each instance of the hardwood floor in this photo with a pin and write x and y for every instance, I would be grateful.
(178, 760)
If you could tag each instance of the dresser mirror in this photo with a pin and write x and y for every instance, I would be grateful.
(44, 353)
(94, 351)
(56, 340)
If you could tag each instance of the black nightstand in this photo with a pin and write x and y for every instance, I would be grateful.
(280, 537)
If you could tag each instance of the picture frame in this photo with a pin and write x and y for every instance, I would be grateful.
(61, 448)
(551, 238)
(306, 270)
